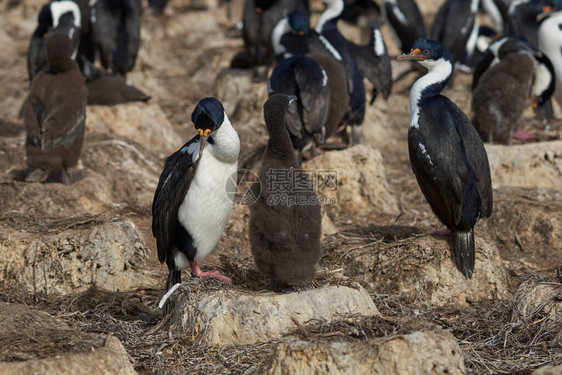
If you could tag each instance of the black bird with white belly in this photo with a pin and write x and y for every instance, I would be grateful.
(285, 221)
(446, 153)
(55, 115)
(194, 197)
(62, 17)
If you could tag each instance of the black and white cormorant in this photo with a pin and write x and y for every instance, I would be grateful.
(55, 115)
(446, 153)
(406, 20)
(284, 237)
(327, 28)
(305, 79)
(55, 17)
(550, 43)
(194, 196)
(373, 62)
(115, 26)
(499, 98)
(456, 27)
(259, 18)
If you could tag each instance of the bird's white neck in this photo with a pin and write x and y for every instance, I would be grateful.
(226, 147)
(334, 10)
(431, 84)
(277, 33)
(58, 8)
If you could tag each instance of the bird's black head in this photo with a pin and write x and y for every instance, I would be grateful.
(208, 116)
(427, 50)
(299, 22)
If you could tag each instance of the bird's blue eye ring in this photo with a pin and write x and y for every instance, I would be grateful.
(426, 52)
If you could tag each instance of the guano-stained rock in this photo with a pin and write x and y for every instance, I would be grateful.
(428, 353)
(355, 179)
(110, 255)
(232, 317)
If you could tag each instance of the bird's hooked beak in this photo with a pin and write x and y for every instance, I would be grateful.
(414, 55)
(546, 10)
(204, 134)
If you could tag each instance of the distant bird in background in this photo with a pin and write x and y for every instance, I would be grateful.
(406, 20)
(327, 28)
(259, 18)
(550, 42)
(284, 237)
(373, 62)
(446, 153)
(195, 194)
(522, 19)
(109, 89)
(55, 114)
(115, 26)
(499, 98)
(62, 17)
(456, 27)
(305, 79)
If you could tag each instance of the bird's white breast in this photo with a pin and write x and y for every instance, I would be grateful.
(550, 42)
(207, 204)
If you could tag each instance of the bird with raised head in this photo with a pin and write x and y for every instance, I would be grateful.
(446, 153)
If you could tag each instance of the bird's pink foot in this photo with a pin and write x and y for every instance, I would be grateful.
(196, 272)
(442, 232)
(523, 136)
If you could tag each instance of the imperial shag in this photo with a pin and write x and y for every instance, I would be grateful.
(194, 196)
(446, 153)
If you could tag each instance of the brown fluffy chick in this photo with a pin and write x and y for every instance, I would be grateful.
(55, 114)
(285, 221)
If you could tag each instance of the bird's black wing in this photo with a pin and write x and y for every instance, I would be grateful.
(373, 62)
(313, 93)
(132, 27)
(174, 181)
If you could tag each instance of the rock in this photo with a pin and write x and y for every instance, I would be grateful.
(429, 353)
(132, 170)
(90, 195)
(419, 268)
(234, 317)
(242, 98)
(355, 180)
(71, 255)
(527, 226)
(538, 299)
(528, 165)
(548, 370)
(34, 342)
(141, 122)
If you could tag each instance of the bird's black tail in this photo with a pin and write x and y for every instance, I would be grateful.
(174, 277)
(464, 252)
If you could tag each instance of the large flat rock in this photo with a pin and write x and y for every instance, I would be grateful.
(402, 262)
(71, 255)
(234, 317)
(428, 353)
(354, 180)
(34, 342)
(528, 165)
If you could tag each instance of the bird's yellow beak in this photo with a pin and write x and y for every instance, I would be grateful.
(204, 134)
(546, 10)
(414, 55)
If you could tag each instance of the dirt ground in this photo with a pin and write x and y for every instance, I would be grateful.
(186, 57)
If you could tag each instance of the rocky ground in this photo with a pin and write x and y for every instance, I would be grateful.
(80, 282)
